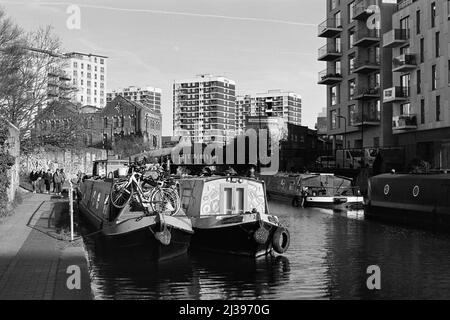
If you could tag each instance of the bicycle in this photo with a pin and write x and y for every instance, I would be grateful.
(162, 195)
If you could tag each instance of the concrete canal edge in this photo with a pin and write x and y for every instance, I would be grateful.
(35, 263)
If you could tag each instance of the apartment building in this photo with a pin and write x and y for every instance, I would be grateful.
(204, 108)
(59, 85)
(149, 96)
(89, 76)
(273, 103)
(419, 96)
(358, 68)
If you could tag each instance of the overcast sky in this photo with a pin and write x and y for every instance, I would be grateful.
(261, 44)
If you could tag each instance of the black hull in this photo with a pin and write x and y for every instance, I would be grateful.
(418, 219)
(235, 239)
(145, 241)
(328, 205)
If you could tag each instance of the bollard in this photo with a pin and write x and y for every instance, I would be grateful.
(71, 209)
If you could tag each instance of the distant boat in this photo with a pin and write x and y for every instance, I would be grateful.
(231, 215)
(161, 236)
(414, 199)
(314, 190)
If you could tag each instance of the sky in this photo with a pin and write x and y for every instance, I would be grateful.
(261, 44)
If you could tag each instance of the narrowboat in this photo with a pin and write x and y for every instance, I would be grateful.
(314, 190)
(411, 199)
(161, 236)
(230, 214)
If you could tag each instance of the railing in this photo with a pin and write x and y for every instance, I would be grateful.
(404, 121)
(332, 23)
(405, 59)
(325, 74)
(396, 35)
(367, 117)
(327, 49)
(362, 6)
(404, 3)
(359, 62)
(368, 91)
(367, 33)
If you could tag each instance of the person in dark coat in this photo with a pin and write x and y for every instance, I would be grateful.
(40, 181)
(48, 177)
(33, 179)
(57, 180)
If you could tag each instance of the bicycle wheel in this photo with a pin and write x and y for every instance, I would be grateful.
(165, 200)
(120, 194)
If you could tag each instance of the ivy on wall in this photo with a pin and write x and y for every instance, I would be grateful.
(6, 162)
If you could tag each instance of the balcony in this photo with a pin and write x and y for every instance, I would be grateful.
(404, 63)
(367, 119)
(396, 94)
(330, 28)
(365, 66)
(329, 78)
(404, 122)
(404, 3)
(367, 93)
(329, 53)
(395, 38)
(363, 9)
(367, 37)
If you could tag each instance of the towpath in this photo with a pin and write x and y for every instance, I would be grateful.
(37, 262)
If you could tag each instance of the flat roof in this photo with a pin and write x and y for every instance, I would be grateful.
(84, 54)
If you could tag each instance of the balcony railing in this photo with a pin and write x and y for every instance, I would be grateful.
(366, 65)
(367, 93)
(363, 9)
(367, 37)
(404, 3)
(328, 77)
(404, 62)
(404, 122)
(395, 94)
(396, 37)
(367, 118)
(330, 28)
(329, 53)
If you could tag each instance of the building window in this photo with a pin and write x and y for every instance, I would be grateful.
(419, 81)
(334, 4)
(334, 95)
(418, 21)
(437, 45)
(352, 112)
(351, 89)
(433, 14)
(333, 119)
(351, 6)
(438, 108)
(433, 77)
(351, 38)
(422, 111)
(422, 50)
(105, 122)
(351, 63)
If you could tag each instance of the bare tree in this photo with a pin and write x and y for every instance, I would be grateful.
(33, 58)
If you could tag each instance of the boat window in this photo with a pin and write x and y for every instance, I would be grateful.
(98, 200)
(185, 198)
(240, 200)
(93, 198)
(228, 200)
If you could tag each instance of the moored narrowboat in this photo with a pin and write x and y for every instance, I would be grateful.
(161, 236)
(412, 199)
(230, 215)
(314, 190)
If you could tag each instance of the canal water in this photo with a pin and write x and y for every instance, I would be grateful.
(328, 258)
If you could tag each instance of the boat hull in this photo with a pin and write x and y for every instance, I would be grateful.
(237, 239)
(332, 203)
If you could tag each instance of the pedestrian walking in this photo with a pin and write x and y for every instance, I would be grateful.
(57, 180)
(40, 181)
(48, 177)
(33, 179)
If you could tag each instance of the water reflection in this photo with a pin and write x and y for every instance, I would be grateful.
(120, 274)
(328, 258)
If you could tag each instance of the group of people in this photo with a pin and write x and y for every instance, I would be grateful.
(41, 178)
